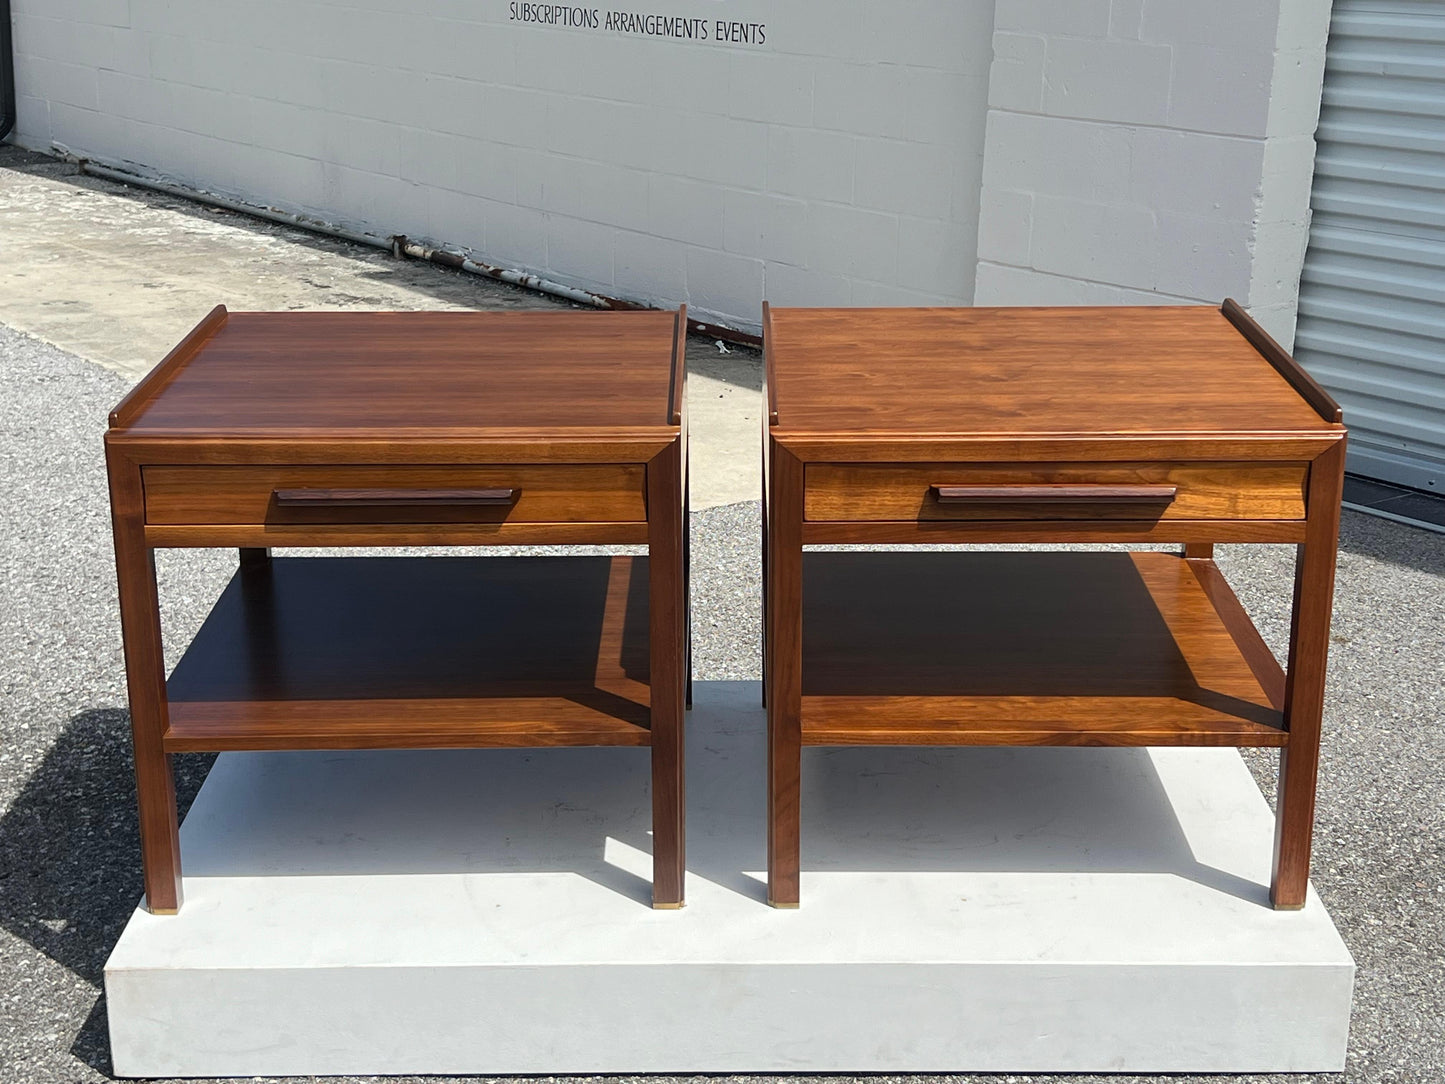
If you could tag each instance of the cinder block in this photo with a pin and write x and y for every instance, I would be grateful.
(612, 195)
(880, 295)
(689, 79)
(784, 284)
(1303, 25)
(947, 108)
(362, 198)
(458, 219)
(487, 169)
(1278, 252)
(429, 158)
(773, 228)
(299, 183)
(649, 268)
(130, 52)
(560, 187)
(1227, 23)
(371, 146)
(172, 60)
(460, 106)
(685, 210)
(1117, 81)
(580, 252)
(234, 68)
(1294, 95)
(516, 237)
(772, 88)
(927, 35)
(1071, 18)
(66, 84)
(1057, 156)
(1005, 225)
(1109, 243)
(1016, 81)
(544, 60)
(467, 48)
(32, 122)
(624, 135)
(720, 150)
(98, 12)
(999, 284)
(727, 286)
(627, 77)
(1126, 19)
(1196, 173)
(852, 242)
(911, 178)
(1223, 91)
(296, 84)
(134, 97)
(937, 259)
(811, 164)
(867, 99)
(1203, 257)
(828, 29)
(214, 113)
(84, 44)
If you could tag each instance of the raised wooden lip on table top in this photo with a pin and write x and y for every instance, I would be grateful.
(816, 440)
(132, 407)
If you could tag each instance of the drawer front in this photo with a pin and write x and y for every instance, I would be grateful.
(845, 492)
(570, 493)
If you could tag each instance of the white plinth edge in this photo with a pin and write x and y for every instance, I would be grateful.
(1025, 910)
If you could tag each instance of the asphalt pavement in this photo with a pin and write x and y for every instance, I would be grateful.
(69, 858)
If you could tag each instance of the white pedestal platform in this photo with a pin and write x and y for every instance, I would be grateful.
(963, 909)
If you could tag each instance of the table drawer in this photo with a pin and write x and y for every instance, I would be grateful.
(551, 493)
(843, 492)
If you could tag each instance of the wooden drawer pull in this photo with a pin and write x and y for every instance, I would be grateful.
(1071, 494)
(390, 498)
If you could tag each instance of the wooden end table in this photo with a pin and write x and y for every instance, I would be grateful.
(1178, 425)
(349, 429)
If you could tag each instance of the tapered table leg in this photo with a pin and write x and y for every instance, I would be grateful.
(783, 624)
(667, 600)
(145, 681)
(1305, 685)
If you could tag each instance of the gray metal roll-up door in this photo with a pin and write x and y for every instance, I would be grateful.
(1372, 296)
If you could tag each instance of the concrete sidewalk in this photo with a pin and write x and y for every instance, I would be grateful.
(117, 274)
(109, 278)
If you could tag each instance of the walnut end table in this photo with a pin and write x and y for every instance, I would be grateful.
(266, 430)
(1132, 425)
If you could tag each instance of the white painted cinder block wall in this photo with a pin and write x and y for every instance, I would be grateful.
(921, 152)
(837, 161)
(1151, 151)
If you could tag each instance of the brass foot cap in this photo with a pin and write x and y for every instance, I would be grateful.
(783, 906)
(667, 906)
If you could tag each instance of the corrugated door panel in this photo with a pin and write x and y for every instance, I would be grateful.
(1372, 296)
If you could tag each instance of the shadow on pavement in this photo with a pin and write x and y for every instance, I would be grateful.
(70, 854)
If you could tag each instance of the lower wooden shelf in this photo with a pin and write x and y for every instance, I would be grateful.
(419, 652)
(1031, 648)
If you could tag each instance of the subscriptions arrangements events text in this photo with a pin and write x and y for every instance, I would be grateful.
(632, 22)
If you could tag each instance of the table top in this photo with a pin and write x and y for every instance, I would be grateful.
(1031, 372)
(261, 373)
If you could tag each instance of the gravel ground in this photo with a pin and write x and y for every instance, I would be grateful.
(69, 858)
